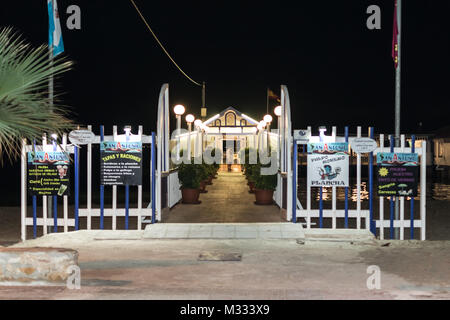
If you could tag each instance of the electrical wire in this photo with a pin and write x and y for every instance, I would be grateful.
(160, 44)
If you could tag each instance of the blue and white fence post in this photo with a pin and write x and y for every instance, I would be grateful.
(413, 150)
(102, 187)
(373, 228)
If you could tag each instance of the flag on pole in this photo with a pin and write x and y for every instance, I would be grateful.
(55, 40)
(395, 38)
(272, 95)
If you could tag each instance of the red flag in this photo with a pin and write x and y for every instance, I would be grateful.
(395, 38)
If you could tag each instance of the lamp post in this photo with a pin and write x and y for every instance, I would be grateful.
(277, 112)
(261, 126)
(268, 119)
(198, 146)
(189, 119)
(179, 111)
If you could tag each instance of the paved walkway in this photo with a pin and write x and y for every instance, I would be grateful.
(227, 200)
(285, 230)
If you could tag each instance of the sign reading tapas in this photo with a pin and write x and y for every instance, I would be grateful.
(397, 174)
(120, 163)
(48, 173)
(328, 164)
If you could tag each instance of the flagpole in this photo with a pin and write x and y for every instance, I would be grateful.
(397, 99)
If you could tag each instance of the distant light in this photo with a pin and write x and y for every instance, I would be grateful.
(268, 118)
(190, 118)
(260, 126)
(198, 123)
(179, 109)
(262, 123)
(322, 129)
(54, 136)
(277, 111)
(127, 129)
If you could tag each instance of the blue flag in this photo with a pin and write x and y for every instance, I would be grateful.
(55, 40)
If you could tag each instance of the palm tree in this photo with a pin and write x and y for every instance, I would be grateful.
(25, 108)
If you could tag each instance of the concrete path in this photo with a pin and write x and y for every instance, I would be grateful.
(224, 231)
(227, 200)
(268, 269)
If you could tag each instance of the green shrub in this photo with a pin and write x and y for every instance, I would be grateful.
(188, 176)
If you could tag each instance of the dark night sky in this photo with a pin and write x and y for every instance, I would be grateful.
(337, 71)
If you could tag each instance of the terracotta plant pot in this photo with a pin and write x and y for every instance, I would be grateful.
(190, 195)
(264, 197)
(202, 187)
(251, 185)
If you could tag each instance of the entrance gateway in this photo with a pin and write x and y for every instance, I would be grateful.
(231, 131)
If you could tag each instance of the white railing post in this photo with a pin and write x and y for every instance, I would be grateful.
(23, 191)
(423, 190)
(89, 182)
(358, 184)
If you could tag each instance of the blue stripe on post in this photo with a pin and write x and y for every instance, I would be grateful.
(55, 201)
(411, 227)
(34, 217)
(372, 222)
(77, 185)
(153, 178)
(102, 187)
(294, 185)
(346, 188)
(391, 229)
(55, 214)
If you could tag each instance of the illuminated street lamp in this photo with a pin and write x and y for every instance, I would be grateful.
(277, 111)
(179, 111)
(322, 130)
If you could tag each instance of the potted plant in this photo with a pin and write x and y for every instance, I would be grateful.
(265, 185)
(202, 173)
(190, 182)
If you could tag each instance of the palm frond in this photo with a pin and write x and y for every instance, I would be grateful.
(25, 109)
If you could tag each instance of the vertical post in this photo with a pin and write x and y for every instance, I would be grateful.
(308, 195)
(114, 192)
(346, 188)
(320, 198)
(102, 187)
(153, 167)
(398, 95)
(372, 223)
(65, 198)
(294, 184)
(55, 199)
(402, 199)
(358, 184)
(381, 198)
(423, 190)
(139, 217)
(127, 205)
(34, 204)
(77, 185)
(89, 181)
(23, 192)
(411, 214)
(333, 190)
(44, 198)
(391, 231)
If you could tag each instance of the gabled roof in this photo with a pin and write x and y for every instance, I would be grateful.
(223, 112)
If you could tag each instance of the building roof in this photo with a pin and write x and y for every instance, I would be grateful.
(250, 120)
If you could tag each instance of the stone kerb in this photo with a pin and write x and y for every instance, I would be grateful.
(28, 266)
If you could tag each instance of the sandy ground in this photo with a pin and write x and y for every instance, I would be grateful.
(270, 269)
